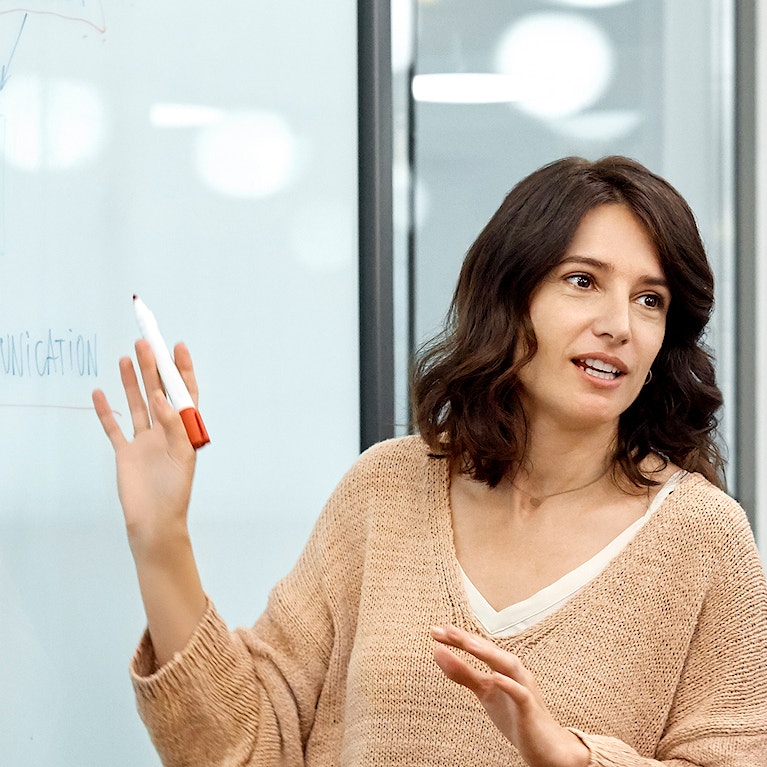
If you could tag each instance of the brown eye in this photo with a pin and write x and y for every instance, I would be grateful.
(580, 280)
(652, 301)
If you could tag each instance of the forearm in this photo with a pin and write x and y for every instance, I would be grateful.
(233, 697)
(204, 705)
(174, 600)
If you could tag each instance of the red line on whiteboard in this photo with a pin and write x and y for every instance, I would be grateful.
(101, 29)
(54, 407)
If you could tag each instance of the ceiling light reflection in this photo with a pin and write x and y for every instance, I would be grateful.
(57, 124)
(184, 115)
(465, 88)
(592, 3)
(252, 154)
(562, 62)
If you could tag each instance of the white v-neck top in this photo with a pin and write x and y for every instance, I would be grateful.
(519, 616)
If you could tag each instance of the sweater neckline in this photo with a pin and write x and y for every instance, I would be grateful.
(510, 619)
(449, 569)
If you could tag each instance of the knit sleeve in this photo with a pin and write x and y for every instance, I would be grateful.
(250, 696)
(719, 714)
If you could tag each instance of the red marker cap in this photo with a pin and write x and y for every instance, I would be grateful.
(194, 426)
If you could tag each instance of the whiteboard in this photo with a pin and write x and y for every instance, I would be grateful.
(204, 157)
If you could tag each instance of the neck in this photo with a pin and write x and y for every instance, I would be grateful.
(535, 499)
(557, 464)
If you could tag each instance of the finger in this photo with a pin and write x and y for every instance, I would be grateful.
(136, 404)
(178, 441)
(457, 669)
(497, 659)
(521, 694)
(108, 422)
(148, 366)
(183, 361)
(484, 685)
(150, 375)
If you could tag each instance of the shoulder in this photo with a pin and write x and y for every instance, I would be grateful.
(387, 469)
(702, 512)
(702, 500)
(715, 538)
(701, 542)
(393, 481)
(376, 484)
(401, 455)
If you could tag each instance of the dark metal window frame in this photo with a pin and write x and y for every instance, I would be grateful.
(376, 262)
(745, 249)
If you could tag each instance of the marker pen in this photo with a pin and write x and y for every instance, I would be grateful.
(175, 388)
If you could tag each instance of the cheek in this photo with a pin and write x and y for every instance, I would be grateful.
(655, 343)
(648, 334)
(548, 325)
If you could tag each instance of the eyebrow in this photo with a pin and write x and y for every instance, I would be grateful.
(597, 264)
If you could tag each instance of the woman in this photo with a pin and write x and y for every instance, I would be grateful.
(556, 537)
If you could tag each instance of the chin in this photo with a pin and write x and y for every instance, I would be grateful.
(595, 417)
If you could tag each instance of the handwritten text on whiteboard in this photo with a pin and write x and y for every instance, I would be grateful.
(25, 355)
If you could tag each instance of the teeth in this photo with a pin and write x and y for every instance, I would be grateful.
(603, 366)
(599, 369)
(600, 374)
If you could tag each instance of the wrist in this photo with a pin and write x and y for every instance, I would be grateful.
(161, 545)
(580, 753)
(173, 597)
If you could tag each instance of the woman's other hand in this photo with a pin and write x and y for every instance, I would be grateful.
(510, 695)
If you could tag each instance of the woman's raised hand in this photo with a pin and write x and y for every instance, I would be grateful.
(154, 482)
(155, 468)
(510, 695)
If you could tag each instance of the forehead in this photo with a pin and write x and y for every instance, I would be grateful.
(614, 235)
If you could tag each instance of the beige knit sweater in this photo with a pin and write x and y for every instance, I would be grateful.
(663, 656)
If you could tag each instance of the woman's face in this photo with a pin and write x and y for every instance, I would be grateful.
(599, 318)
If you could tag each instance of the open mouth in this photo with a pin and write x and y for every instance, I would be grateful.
(599, 369)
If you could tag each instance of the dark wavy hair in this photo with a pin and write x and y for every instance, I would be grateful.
(465, 382)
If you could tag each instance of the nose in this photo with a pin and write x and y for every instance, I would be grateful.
(613, 319)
